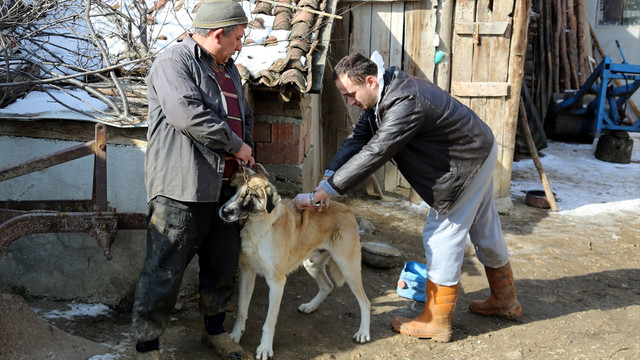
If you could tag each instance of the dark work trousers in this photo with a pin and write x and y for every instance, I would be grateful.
(176, 231)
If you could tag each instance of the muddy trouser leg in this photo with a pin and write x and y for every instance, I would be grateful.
(173, 236)
(218, 260)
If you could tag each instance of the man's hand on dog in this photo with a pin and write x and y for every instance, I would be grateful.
(314, 200)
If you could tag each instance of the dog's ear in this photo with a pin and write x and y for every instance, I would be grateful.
(273, 198)
(237, 179)
(257, 167)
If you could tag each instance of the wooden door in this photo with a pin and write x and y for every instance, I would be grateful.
(483, 42)
(486, 70)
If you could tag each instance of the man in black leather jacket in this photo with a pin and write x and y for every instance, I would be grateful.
(448, 155)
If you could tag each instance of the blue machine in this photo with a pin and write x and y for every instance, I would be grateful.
(601, 82)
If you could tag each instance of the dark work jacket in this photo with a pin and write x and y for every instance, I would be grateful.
(188, 134)
(437, 143)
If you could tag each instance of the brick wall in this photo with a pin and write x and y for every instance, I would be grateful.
(282, 130)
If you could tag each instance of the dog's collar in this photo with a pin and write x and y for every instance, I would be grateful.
(245, 172)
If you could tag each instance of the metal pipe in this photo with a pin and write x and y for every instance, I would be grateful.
(47, 161)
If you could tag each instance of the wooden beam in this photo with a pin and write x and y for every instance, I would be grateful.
(71, 130)
(498, 72)
(521, 17)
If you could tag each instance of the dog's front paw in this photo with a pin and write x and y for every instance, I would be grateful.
(307, 308)
(362, 337)
(236, 334)
(264, 352)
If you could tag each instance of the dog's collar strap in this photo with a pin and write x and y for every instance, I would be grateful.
(245, 172)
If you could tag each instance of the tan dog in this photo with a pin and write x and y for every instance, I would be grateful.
(277, 238)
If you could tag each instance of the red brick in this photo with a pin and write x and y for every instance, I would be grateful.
(287, 133)
(261, 132)
(285, 154)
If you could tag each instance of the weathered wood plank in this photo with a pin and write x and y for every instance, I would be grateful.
(360, 38)
(361, 31)
(442, 73)
(480, 89)
(499, 72)
(462, 48)
(397, 28)
(420, 31)
(518, 50)
(335, 121)
(70, 130)
(381, 18)
(482, 28)
(407, 41)
(481, 56)
(380, 30)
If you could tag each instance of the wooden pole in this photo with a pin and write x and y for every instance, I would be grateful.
(517, 57)
(572, 45)
(524, 123)
(444, 28)
(556, 53)
(543, 78)
(548, 31)
(564, 57)
(581, 35)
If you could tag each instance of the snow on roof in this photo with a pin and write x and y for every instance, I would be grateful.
(283, 49)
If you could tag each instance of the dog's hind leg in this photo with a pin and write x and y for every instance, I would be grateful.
(316, 267)
(350, 268)
(276, 289)
(245, 290)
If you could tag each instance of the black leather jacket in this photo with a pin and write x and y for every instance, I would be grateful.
(437, 143)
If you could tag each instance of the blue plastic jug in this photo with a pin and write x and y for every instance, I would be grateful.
(412, 281)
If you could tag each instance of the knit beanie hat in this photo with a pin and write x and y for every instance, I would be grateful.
(214, 14)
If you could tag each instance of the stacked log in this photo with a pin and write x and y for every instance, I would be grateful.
(560, 49)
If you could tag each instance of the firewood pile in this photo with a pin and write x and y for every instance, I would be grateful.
(563, 51)
(560, 49)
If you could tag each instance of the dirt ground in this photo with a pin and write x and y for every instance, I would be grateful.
(578, 280)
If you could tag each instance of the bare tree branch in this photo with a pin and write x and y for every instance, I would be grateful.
(85, 44)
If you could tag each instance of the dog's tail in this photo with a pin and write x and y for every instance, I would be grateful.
(335, 273)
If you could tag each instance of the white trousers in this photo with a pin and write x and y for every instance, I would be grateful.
(474, 216)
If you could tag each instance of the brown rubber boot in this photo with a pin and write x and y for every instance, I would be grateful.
(435, 320)
(502, 301)
(224, 347)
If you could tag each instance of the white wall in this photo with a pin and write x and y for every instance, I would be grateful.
(72, 266)
(73, 180)
(627, 36)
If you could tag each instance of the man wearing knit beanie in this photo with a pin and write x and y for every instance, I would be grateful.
(199, 132)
